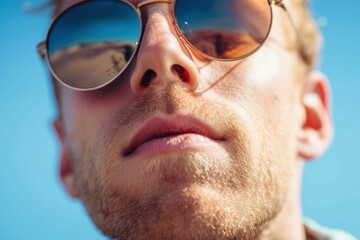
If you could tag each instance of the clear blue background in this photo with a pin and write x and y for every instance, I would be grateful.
(33, 204)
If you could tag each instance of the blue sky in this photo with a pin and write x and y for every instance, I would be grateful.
(33, 204)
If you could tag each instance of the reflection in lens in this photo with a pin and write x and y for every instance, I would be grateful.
(224, 29)
(92, 42)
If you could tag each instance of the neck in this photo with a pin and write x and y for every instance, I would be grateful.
(288, 224)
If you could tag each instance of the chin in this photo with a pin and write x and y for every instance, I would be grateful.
(181, 212)
(188, 196)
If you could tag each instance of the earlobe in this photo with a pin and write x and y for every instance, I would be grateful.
(65, 164)
(316, 128)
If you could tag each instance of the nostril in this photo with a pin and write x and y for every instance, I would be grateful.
(181, 72)
(148, 76)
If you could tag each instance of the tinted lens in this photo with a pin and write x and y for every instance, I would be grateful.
(92, 42)
(224, 29)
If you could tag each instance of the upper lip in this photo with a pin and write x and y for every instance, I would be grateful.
(159, 127)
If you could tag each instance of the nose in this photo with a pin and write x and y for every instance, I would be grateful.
(162, 58)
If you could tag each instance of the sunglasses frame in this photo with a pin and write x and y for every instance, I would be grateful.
(43, 53)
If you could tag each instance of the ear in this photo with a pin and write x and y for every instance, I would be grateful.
(316, 130)
(66, 172)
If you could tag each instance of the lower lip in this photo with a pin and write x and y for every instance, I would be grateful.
(173, 144)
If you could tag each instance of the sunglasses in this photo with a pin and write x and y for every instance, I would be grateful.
(92, 42)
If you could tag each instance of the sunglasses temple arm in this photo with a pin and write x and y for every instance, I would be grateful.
(41, 48)
(303, 51)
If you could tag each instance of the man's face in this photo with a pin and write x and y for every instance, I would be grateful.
(200, 149)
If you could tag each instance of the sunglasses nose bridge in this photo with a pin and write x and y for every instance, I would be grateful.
(150, 8)
(162, 56)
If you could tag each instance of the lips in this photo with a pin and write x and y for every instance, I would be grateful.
(161, 131)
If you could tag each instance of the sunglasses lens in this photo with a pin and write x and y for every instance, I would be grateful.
(92, 42)
(224, 29)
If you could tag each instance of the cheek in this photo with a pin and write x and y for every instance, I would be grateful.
(261, 84)
(263, 88)
(78, 122)
(86, 114)
(271, 83)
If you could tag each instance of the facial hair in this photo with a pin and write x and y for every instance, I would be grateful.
(219, 194)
